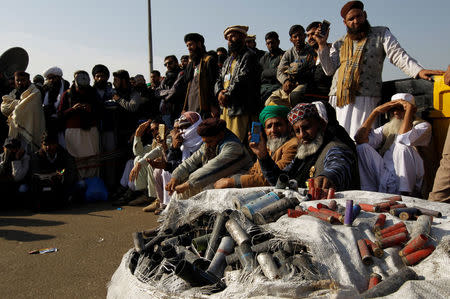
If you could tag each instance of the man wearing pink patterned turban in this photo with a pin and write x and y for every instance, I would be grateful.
(320, 154)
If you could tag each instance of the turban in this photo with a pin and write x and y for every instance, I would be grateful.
(191, 116)
(303, 111)
(238, 28)
(404, 96)
(349, 6)
(195, 37)
(100, 68)
(273, 111)
(56, 71)
(211, 127)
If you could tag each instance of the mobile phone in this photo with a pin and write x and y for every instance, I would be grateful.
(162, 131)
(256, 130)
(324, 27)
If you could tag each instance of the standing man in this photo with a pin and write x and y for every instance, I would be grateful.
(155, 79)
(356, 60)
(237, 88)
(269, 63)
(301, 53)
(200, 77)
(23, 108)
(250, 42)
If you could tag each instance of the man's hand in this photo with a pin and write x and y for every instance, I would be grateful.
(260, 148)
(223, 98)
(407, 105)
(157, 164)
(386, 107)
(162, 142)
(425, 74)
(323, 182)
(134, 172)
(177, 140)
(321, 40)
(170, 186)
(142, 128)
(116, 97)
(224, 183)
(183, 187)
(77, 106)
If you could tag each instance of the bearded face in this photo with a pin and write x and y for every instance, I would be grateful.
(275, 143)
(307, 149)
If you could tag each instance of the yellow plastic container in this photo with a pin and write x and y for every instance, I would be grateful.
(441, 113)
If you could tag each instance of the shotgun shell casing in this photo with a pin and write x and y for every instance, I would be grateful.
(414, 245)
(394, 198)
(428, 212)
(379, 223)
(392, 240)
(335, 214)
(295, 213)
(348, 219)
(398, 206)
(384, 206)
(376, 250)
(395, 232)
(417, 256)
(332, 205)
(322, 206)
(355, 212)
(313, 209)
(364, 252)
(324, 217)
(330, 194)
(391, 228)
(369, 208)
(374, 280)
(409, 211)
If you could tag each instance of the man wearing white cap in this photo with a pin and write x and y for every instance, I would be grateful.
(387, 157)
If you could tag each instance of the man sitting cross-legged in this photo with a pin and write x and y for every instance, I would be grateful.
(281, 146)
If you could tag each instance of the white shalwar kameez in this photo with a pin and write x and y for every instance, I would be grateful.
(401, 168)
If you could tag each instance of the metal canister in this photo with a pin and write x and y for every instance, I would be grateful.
(272, 212)
(219, 226)
(417, 256)
(392, 240)
(282, 182)
(268, 265)
(236, 232)
(364, 252)
(218, 263)
(240, 200)
(201, 243)
(379, 223)
(245, 255)
(348, 219)
(414, 245)
(374, 280)
(391, 283)
(428, 212)
(255, 205)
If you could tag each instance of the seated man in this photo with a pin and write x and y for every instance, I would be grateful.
(388, 161)
(53, 169)
(14, 166)
(281, 146)
(221, 155)
(320, 155)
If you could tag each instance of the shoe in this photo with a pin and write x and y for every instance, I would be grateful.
(159, 210)
(128, 196)
(151, 207)
(120, 191)
(141, 200)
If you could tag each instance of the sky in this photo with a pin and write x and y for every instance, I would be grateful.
(79, 34)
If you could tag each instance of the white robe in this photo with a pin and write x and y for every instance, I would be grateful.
(401, 168)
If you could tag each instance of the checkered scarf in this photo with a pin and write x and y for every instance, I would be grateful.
(302, 111)
(348, 73)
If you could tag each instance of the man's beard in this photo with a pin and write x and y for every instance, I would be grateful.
(56, 86)
(275, 143)
(196, 55)
(359, 33)
(234, 47)
(308, 149)
(394, 126)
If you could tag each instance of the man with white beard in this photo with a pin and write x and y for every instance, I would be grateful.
(388, 159)
(320, 154)
(281, 146)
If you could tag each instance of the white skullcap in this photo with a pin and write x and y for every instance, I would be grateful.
(404, 96)
(53, 71)
(322, 110)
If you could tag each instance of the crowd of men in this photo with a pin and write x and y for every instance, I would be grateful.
(318, 105)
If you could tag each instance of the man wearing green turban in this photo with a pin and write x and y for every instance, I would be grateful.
(281, 145)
